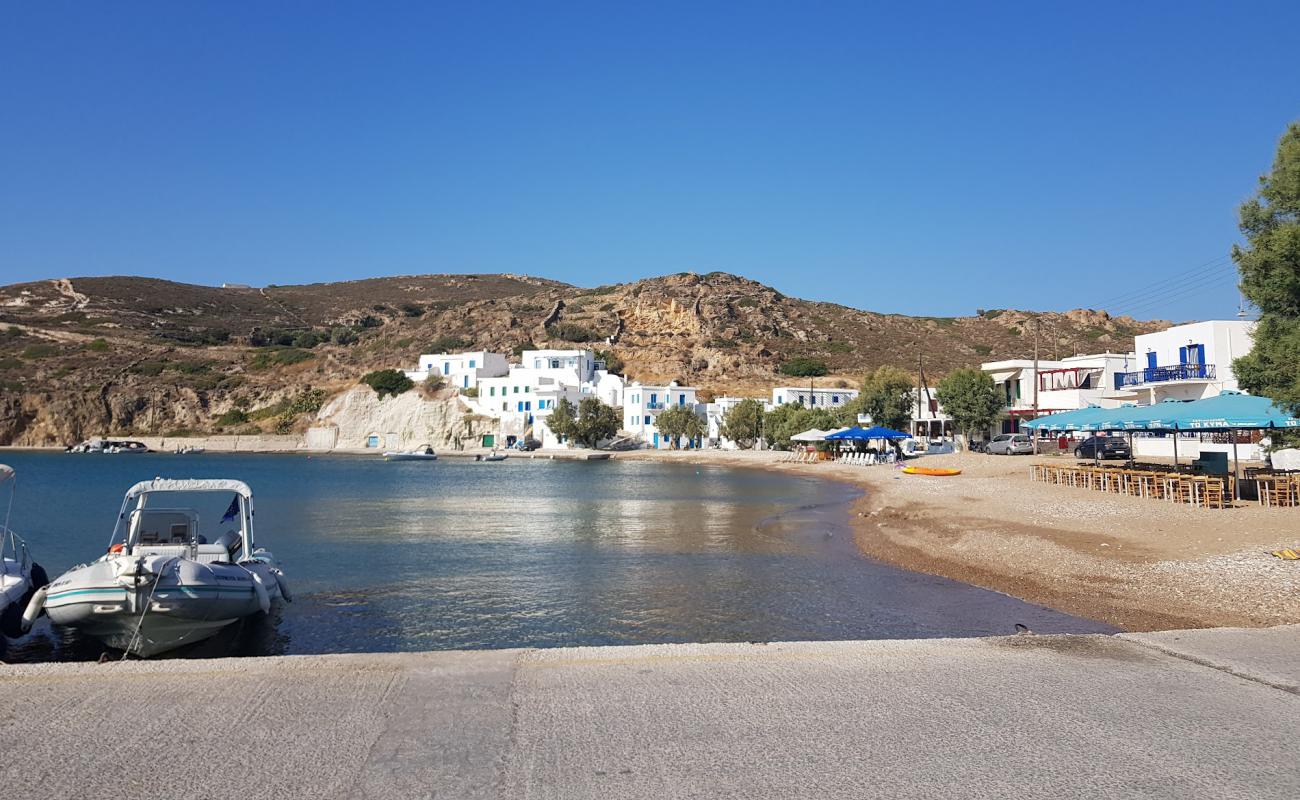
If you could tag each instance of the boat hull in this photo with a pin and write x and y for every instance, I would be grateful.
(410, 457)
(153, 604)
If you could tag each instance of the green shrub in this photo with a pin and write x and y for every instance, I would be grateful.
(571, 332)
(448, 344)
(412, 310)
(982, 349)
(838, 347)
(387, 381)
(150, 368)
(470, 392)
(342, 336)
(747, 302)
(232, 417)
(804, 367)
(279, 357)
(98, 346)
(35, 351)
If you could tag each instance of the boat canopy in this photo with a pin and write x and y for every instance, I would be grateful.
(190, 485)
(6, 473)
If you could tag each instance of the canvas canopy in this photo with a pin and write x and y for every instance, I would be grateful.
(810, 435)
(1228, 410)
(864, 434)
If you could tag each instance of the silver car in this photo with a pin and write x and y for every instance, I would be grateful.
(1011, 444)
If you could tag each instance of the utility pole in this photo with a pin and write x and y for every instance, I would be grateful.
(920, 413)
(1038, 324)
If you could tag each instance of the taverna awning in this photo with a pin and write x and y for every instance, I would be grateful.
(1228, 410)
(865, 434)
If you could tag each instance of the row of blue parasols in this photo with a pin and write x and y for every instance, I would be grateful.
(1226, 411)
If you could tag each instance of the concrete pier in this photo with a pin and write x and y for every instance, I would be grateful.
(1171, 715)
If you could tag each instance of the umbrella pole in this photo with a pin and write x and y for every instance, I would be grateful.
(1236, 476)
(1130, 449)
(1175, 449)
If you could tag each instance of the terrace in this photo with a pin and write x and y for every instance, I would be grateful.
(1181, 372)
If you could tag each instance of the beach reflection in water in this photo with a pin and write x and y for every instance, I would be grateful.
(524, 553)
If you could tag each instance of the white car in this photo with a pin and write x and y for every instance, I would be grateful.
(1011, 444)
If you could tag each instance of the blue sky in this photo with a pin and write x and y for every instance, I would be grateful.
(916, 158)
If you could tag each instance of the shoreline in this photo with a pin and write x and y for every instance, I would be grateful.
(1141, 565)
(1137, 564)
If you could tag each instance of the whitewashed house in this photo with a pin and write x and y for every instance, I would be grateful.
(1185, 362)
(716, 413)
(812, 397)
(643, 403)
(461, 370)
(1060, 385)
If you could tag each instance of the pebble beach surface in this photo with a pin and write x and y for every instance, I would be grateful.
(1136, 563)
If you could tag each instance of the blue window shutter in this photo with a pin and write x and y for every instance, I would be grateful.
(1182, 355)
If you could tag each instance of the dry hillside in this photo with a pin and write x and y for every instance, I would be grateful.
(89, 356)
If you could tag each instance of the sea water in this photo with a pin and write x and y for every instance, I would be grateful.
(402, 556)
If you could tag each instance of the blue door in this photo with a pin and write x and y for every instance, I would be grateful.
(656, 440)
(1151, 360)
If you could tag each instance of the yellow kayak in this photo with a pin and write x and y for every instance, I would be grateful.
(930, 471)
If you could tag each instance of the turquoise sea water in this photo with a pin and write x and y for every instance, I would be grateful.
(456, 554)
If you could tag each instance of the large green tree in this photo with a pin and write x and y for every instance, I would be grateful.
(596, 422)
(563, 419)
(786, 420)
(1270, 278)
(970, 397)
(680, 422)
(886, 396)
(743, 424)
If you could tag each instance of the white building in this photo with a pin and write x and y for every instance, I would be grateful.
(1062, 384)
(462, 370)
(715, 414)
(1185, 362)
(812, 397)
(642, 403)
(928, 418)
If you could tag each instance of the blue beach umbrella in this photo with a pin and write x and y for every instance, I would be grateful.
(857, 434)
(1230, 411)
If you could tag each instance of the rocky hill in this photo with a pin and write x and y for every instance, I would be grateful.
(89, 356)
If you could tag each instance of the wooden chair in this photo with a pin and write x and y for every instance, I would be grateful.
(1213, 494)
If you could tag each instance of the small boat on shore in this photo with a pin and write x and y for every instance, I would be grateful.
(935, 471)
(188, 451)
(108, 446)
(20, 576)
(418, 454)
(162, 584)
(493, 456)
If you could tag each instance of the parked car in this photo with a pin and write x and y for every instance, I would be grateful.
(1111, 447)
(527, 445)
(1010, 444)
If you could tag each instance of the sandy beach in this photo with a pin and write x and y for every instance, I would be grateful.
(1135, 563)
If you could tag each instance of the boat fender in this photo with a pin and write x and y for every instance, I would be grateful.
(34, 608)
(117, 548)
(263, 599)
(284, 586)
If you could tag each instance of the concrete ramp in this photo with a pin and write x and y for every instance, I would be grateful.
(1017, 717)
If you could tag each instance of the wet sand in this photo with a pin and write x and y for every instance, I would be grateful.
(1135, 563)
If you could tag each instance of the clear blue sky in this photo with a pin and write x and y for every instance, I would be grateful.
(919, 158)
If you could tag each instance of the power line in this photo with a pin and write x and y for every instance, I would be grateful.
(1191, 288)
(1208, 268)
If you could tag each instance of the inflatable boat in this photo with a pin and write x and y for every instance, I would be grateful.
(162, 584)
(20, 576)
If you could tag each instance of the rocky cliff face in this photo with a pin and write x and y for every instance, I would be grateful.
(104, 356)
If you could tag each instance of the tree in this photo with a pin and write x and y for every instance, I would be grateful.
(596, 422)
(970, 398)
(613, 363)
(886, 396)
(562, 420)
(1270, 278)
(743, 424)
(804, 367)
(387, 381)
(680, 421)
(789, 419)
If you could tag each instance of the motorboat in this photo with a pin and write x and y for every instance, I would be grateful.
(418, 454)
(188, 450)
(20, 576)
(493, 456)
(162, 584)
(108, 446)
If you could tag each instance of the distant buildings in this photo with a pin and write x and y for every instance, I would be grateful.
(643, 403)
(461, 370)
(812, 397)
